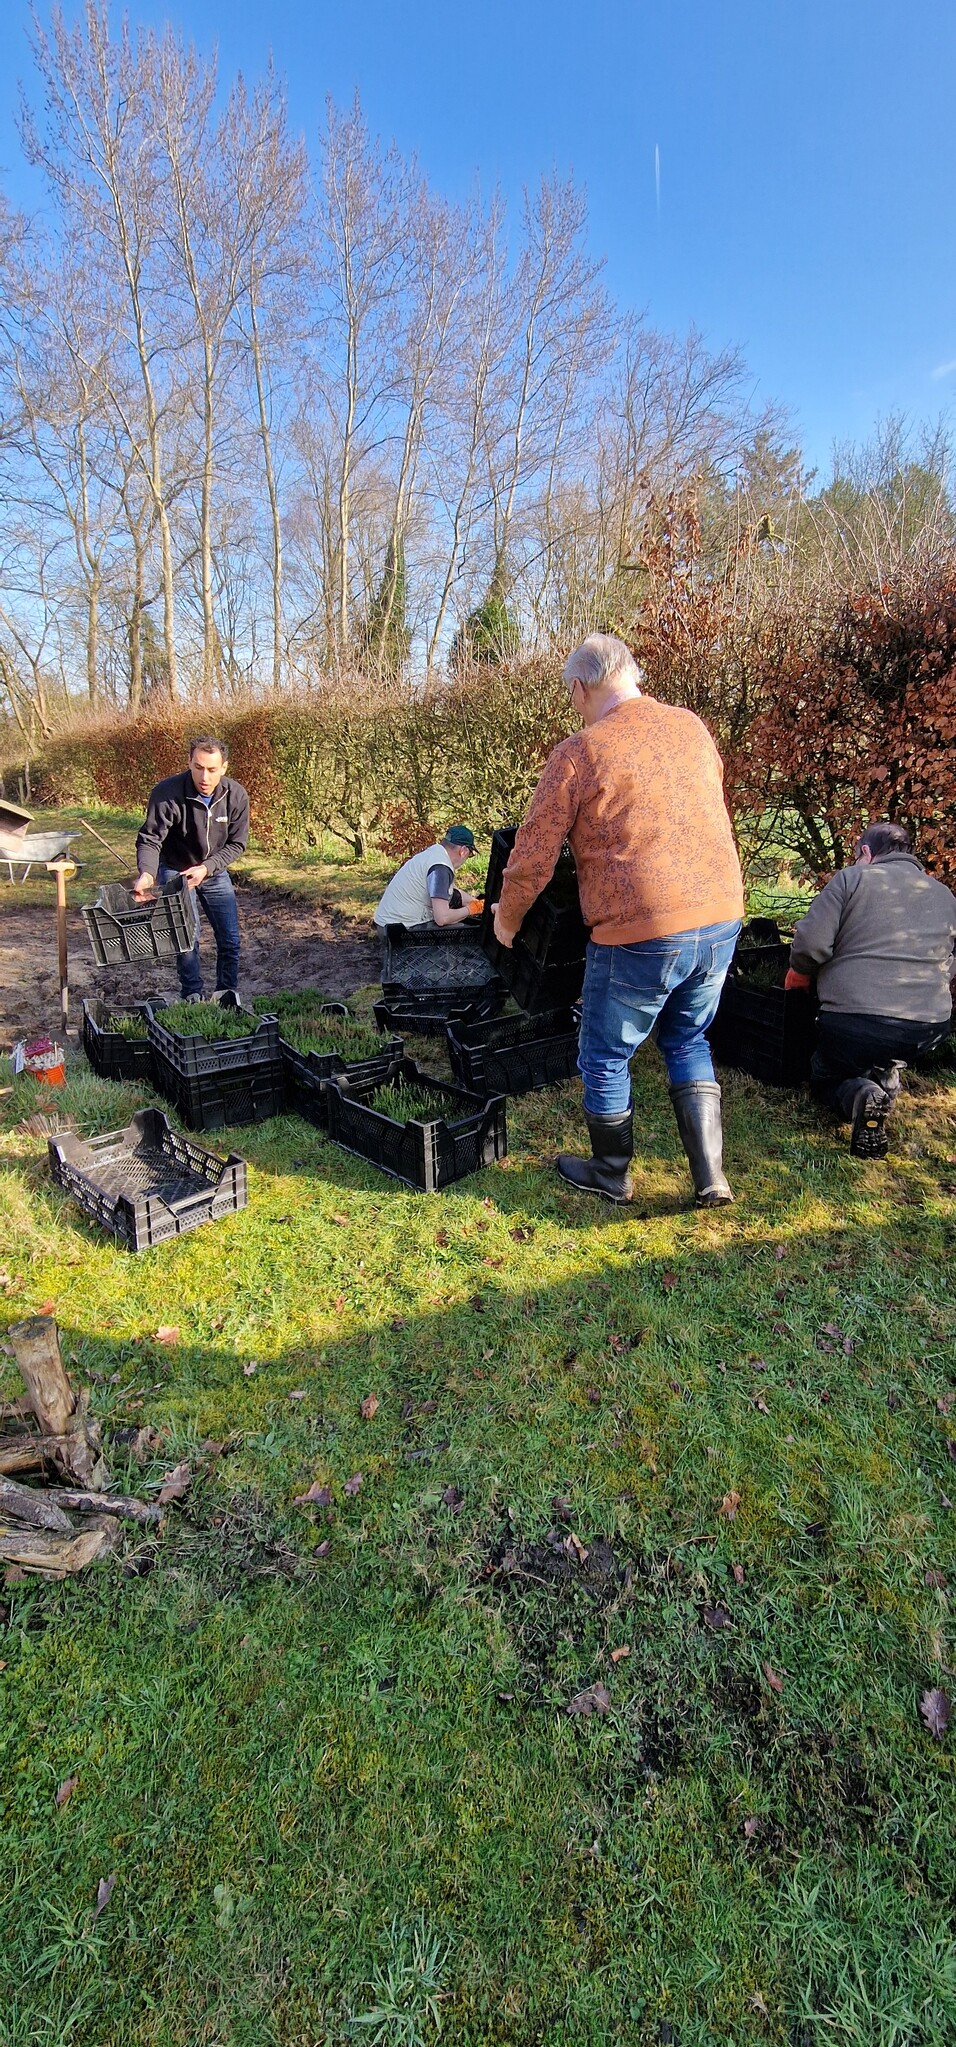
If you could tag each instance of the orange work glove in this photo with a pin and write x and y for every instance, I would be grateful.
(795, 980)
(476, 907)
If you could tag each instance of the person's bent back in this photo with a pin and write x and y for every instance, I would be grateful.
(423, 891)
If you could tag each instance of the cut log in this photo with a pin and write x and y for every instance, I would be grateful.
(55, 1556)
(20, 1456)
(72, 1441)
(36, 1347)
(106, 1503)
(35, 1509)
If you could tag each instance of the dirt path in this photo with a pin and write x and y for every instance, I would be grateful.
(285, 944)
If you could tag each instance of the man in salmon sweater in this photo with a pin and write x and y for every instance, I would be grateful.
(638, 792)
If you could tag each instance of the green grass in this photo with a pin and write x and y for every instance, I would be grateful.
(326, 1751)
(406, 1103)
(206, 1020)
(345, 1035)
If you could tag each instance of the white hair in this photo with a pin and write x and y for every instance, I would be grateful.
(601, 659)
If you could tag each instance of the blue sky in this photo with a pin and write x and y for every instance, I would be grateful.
(807, 158)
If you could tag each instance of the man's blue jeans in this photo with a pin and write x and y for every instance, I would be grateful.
(673, 982)
(217, 898)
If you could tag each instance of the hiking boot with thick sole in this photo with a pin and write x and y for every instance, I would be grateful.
(607, 1171)
(697, 1109)
(871, 1106)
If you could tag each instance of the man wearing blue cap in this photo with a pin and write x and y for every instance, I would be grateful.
(423, 891)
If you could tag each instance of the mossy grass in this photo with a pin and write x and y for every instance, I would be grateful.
(326, 1751)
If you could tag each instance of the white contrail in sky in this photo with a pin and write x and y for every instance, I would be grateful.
(657, 176)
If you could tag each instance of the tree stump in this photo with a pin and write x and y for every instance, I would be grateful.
(72, 1441)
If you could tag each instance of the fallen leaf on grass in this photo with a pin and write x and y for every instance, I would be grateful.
(352, 1484)
(936, 1580)
(322, 1548)
(668, 1280)
(442, 1239)
(595, 1699)
(561, 1508)
(451, 1497)
(751, 1827)
(618, 1655)
(64, 1791)
(779, 1251)
(944, 1402)
(317, 1496)
(775, 1682)
(729, 1505)
(934, 1709)
(247, 1370)
(166, 1334)
(46, 1307)
(575, 1547)
(299, 1393)
(717, 1617)
(369, 1406)
(738, 1571)
(760, 1404)
(757, 2004)
(398, 1322)
(104, 1892)
(175, 1484)
(523, 1233)
(341, 1221)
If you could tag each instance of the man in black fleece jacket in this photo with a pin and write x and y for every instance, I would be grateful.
(196, 825)
(880, 939)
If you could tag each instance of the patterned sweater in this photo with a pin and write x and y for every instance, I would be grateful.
(640, 797)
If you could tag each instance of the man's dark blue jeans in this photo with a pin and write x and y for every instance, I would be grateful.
(673, 982)
(850, 1045)
(217, 898)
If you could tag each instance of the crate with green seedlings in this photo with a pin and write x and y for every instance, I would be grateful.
(425, 1132)
(318, 1040)
(116, 1041)
(218, 1063)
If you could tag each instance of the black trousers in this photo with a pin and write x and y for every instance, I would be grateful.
(849, 1046)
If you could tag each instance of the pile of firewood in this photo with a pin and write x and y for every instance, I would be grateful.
(72, 1516)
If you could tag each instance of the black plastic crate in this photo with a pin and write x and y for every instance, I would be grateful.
(307, 1072)
(208, 1101)
(433, 956)
(544, 968)
(767, 1032)
(511, 1055)
(110, 1054)
(147, 1183)
(193, 1056)
(426, 1012)
(424, 1155)
(122, 930)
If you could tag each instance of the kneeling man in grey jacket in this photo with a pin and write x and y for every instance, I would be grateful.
(880, 939)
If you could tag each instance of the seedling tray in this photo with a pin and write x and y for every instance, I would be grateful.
(147, 1183)
(423, 1155)
(544, 968)
(430, 956)
(767, 1032)
(121, 930)
(307, 1072)
(111, 1055)
(426, 1012)
(215, 1081)
(511, 1055)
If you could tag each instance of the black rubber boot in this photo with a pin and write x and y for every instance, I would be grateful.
(697, 1109)
(606, 1172)
(871, 1106)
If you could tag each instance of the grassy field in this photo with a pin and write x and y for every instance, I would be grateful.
(337, 1757)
